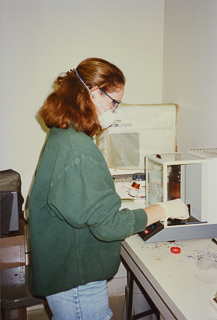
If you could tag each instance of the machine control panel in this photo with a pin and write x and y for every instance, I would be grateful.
(151, 230)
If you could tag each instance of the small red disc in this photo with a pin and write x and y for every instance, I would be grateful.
(175, 250)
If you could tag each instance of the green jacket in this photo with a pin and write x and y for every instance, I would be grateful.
(75, 223)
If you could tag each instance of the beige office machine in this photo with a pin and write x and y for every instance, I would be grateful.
(138, 130)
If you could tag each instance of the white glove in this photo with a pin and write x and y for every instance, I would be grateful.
(175, 209)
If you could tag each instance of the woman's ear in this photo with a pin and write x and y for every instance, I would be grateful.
(94, 95)
(94, 89)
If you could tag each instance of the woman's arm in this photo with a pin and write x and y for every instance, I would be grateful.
(155, 213)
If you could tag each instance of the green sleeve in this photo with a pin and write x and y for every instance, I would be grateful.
(84, 196)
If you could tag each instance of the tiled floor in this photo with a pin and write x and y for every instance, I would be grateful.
(41, 313)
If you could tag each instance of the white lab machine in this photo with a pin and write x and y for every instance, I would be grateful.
(191, 176)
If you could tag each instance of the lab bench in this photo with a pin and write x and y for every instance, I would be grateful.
(174, 282)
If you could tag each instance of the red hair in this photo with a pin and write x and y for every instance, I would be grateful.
(70, 103)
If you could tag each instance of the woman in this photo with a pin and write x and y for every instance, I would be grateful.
(76, 225)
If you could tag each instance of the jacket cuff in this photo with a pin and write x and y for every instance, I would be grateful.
(140, 220)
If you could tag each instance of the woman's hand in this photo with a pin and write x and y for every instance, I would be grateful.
(175, 209)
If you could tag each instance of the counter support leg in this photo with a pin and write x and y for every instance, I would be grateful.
(129, 300)
(129, 304)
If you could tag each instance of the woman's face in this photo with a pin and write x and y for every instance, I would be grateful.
(106, 100)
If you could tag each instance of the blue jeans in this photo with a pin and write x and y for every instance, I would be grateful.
(87, 302)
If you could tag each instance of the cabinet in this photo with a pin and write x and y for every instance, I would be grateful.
(12, 254)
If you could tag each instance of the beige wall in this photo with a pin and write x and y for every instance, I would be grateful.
(42, 38)
(190, 69)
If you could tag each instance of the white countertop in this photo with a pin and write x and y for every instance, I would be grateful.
(177, 276)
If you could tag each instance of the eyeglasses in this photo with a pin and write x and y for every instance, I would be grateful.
(115, 102)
